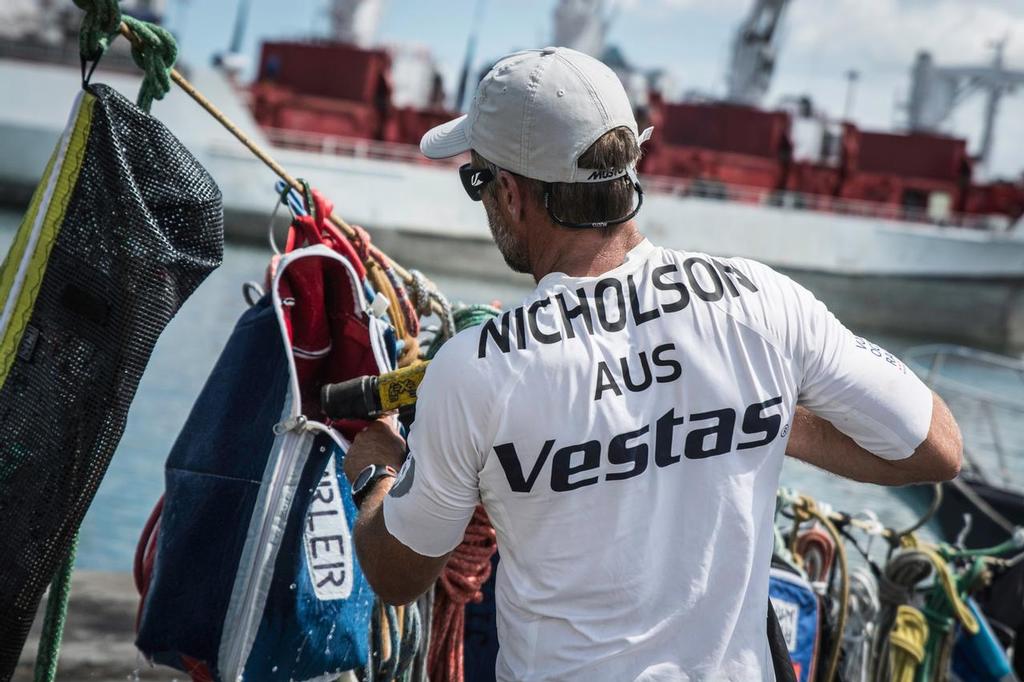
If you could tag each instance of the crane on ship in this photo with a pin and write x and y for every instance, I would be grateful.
(355, 21)
(936, 91)
(754, 51)
(582, 25)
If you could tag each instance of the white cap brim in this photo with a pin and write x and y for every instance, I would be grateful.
(447, 139)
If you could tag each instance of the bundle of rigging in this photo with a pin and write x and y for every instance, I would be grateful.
(900, 609)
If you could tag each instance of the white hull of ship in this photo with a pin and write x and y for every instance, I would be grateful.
(918, 279)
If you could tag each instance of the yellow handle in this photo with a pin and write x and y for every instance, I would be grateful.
(398, 389)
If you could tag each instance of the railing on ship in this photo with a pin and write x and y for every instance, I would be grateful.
(823, 203)
(65, 52)
(681, 187)
(351, 146)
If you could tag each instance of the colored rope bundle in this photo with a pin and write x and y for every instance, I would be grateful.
(805, 510)
(857, 636)
(426, 299)
(817, 550)
(385, 281)
(154, 49)
(461, 582)
(396, 635)
(955, 604)
(906, 643)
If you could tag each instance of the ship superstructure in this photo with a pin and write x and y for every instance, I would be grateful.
(892, 229)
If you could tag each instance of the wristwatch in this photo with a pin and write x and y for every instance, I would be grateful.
(367, 478)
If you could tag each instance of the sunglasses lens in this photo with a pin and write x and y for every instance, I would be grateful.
(473, 180)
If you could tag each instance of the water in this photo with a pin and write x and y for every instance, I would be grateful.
(187, 351)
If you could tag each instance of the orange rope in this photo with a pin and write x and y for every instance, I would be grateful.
(461, 582)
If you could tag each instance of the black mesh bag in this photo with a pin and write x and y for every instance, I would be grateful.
(121, 230)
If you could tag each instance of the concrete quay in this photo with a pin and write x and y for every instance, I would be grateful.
(99, 635)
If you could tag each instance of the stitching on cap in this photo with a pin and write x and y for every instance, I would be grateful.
(606, 117)
(532, 86)
(503, 65)
(590, 87)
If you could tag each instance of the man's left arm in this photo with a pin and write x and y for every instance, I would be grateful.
(397, 573)
(408, 526)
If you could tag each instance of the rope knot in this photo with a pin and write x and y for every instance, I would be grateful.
(804, 509)
(99, 26)
(423, 293)
(361, 242)
(908, 636)
(155, 52)
(419, 293)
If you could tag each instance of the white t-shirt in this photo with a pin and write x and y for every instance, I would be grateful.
(625, 433)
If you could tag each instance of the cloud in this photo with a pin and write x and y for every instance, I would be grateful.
(667, 7)
(880, 38)
(890, 32)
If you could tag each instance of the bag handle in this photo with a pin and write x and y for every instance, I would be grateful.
(313, 227)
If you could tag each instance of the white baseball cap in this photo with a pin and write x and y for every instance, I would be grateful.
(536, 112)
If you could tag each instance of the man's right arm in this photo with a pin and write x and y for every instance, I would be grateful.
(816, 441)
(862, 413)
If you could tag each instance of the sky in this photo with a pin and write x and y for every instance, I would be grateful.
(821, 41)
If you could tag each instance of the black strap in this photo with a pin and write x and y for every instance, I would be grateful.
(781, 663)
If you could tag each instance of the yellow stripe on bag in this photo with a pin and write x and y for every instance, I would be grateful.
(22, 271)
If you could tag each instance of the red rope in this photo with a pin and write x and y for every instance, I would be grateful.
(361, 243)
(145, 556)
(464, 575)
(817, 549)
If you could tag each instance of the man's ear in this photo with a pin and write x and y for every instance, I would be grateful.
(512, 197)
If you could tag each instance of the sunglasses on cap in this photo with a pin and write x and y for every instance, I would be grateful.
(475, 179)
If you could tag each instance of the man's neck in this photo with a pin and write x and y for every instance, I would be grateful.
(582, 253)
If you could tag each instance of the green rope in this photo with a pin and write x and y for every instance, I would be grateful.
(472, 315)
(99, 27)
(1014, 544)
(465, 316)
(53, 622)
(307, 198)
(155, 54)
(155, 51)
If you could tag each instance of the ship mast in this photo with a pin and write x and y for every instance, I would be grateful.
(935, 91)
(754, 50)
(467, 62)
(355, 21)
(238, 33)
(582, 25)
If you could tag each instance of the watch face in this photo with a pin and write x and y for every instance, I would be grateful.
(363, 478)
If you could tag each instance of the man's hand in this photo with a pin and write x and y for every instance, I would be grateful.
(397, 574)
(380, 444)
(816, 441)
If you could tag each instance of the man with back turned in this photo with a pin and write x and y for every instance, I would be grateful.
(625, 426)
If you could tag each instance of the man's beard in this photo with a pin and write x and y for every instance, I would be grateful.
(511, 248)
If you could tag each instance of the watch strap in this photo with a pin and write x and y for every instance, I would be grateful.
(379, 472)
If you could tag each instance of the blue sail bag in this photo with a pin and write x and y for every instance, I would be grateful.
(250, 571)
